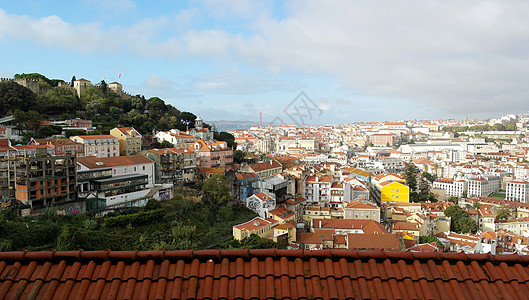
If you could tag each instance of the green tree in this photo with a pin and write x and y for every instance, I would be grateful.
(238, 156)
(252, 242)
(411, 176)
(14, 96)
(104, 87)
(429, 239)
(29, 120)
(187, 119)
(467, 225)
(72, 238)
(453, 199)
(510, 127)
(216, 189)
(71, 81)
(503, 212)
(498, 127)
(460, 221)
(227, 137)
(58, 101)
(429, 176)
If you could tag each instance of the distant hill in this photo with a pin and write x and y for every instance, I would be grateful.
(224, 125)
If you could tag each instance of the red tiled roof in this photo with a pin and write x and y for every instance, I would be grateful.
(266, 165)
(262, 274)
(373, 241)
(92, 162)
(93, 137)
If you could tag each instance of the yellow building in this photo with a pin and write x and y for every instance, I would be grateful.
(129, 140)
(288, 228)
(316, 212)
(393, 192)
(261, 227)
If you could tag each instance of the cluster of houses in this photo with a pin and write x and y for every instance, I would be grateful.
(103, 172)
(347, 185)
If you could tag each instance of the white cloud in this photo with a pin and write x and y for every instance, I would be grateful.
(456, 56)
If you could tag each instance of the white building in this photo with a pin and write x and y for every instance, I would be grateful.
(516, 226)
(518, 190)
(121, 181)
(261, 203)
(317, 188)
(483, 186)
(180, 140)
(98, 145)
(451, 187)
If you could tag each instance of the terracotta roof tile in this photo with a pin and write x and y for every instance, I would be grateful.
(92, 162)
(262, 274)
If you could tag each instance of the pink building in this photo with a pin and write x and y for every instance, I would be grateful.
(81, 124)
(381, 139)
(62, 146)
(212, 154)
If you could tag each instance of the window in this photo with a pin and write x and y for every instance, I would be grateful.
(397, 191)
(143, 168)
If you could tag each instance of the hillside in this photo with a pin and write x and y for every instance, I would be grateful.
(54, 99)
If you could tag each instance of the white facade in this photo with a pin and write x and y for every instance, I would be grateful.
(518, 190)
(483, 186)
(451, 187)
(98, 145)
(125, 169)
(261, 204)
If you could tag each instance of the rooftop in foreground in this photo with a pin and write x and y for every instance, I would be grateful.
(262, 274)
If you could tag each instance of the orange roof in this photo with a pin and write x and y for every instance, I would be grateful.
(266, 165)
(92, 162)
(263, 196)
(373, 241)
(255, 223)
(94, 136)
(360, 205)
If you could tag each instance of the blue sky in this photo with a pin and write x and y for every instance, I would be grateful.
(231, 59)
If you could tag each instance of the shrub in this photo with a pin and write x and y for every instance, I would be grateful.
(135, 219)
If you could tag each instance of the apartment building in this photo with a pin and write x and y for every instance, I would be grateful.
(212, 154)
(317, 188)
(131, 182)
(99, 146)
(62, 146)
(483, 186)
(173, 164)
(454, 188)
(259, 226)
(129, 140)
(39, 180)
(517, 190)
(179, 139)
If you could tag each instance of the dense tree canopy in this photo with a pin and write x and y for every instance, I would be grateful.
(461, 222)
(14, 96)
(99, 104)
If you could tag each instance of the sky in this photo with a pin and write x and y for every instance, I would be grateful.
(294, 61)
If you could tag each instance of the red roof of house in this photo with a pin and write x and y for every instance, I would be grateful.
(373, 241)
(92, 162)
(262, 274)
(266, 165)
(97, 136)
